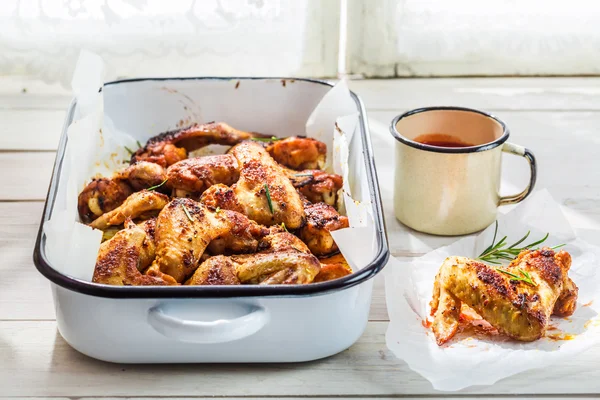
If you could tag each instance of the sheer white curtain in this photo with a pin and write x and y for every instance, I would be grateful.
(170, 37)
(473, 37)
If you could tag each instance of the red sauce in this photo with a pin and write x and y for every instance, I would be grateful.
(441, 140)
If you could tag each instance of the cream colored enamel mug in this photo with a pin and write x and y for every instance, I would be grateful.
(452, 190)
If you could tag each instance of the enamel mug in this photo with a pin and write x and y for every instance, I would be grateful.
(452, 190)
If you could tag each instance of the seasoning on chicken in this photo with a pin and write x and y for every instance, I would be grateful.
(185, 228)
(317, 186)
(516, 308)
(243, 230)
(139, 203)
(105, 194)
(101, 196)
(172, 146)
(263, 193)
(283, 259)
(299, 152)
(121, 259)
(195, 175)
(321, 219)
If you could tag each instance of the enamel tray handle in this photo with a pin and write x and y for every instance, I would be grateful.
(528, 155)
(217, 331)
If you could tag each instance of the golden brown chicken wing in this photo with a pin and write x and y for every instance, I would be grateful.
(105, 194)
(317, 186)
(120, 260)
(514, 307)
(263, 192)
(137, 204)
(185, 228)
(195, 175)
(101, 196)
(142, 175)
(333, 267)
(283, 259)
(170, 147)
(321, 219)
(299, 152)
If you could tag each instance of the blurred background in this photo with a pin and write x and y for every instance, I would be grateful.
(310, 38)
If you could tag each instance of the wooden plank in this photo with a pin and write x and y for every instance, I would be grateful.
(25, 92)
(517, 94)
(385, 94)
(38, 362)
(24, 292)
(567, 167)
(30, 129)
(28, 291)
(25, 176)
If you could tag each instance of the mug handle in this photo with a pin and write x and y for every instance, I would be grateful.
(528, 155)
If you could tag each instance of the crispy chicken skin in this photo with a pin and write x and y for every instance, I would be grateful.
(333, 267)
(170, 147)
(321, 219)
(185, 228)
(105, 194)
(120, 260)
(299, 152)
(317, 186)
(259, 173)
(236, 218)
(101, 196)
(137, 204)
(283, 259)
(142, 175)
(195, 175)
(515, 308)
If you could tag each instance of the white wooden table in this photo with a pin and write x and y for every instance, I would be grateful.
(558, 118)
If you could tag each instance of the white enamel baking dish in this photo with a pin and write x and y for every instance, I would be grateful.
(281, 323)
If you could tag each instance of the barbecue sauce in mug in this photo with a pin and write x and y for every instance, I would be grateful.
(441, 140)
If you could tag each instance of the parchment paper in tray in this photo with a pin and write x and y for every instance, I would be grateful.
(467, 361)
(96, 148)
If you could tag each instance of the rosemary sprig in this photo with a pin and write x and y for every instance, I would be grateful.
(514, 277)
(159, 185)
(139, 144)
(496, 252)
(269, 198)
(131, 152)
(187, 213)
(261, 139)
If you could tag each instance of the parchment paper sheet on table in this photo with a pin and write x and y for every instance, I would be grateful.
(465, 361)
(96, 147)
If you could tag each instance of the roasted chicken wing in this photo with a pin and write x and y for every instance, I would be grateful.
(142, 175)
(195, 175)
(516, 308)
(317, 186)
(321, 219)
(139, 203)
(170, 147)
(333, 267)
(121, 259)
(283, 259)
(185, 228)
(100, 196)
(105, 194)
(263, 192)
(299, 152)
